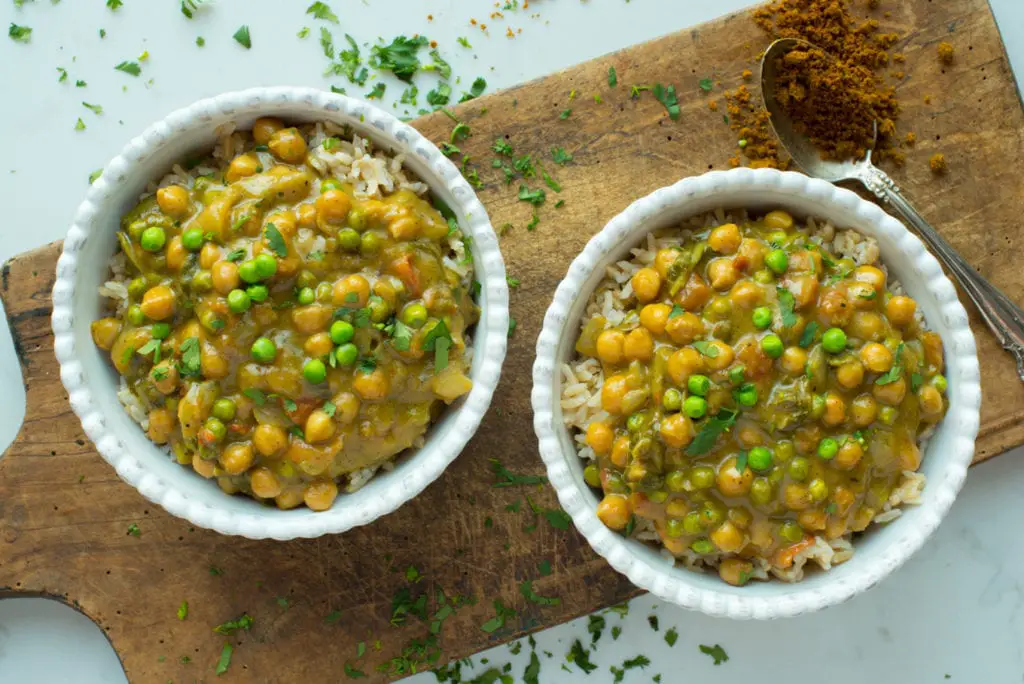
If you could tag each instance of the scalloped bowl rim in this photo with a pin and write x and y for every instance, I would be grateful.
(122, 443)
(947, 455)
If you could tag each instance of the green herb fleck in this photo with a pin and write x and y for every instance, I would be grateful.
(613, 77)
(242, 37)
(129, 68)
(716, 652)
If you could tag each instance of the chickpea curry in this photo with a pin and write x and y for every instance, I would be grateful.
(759, 394)
(284, 330)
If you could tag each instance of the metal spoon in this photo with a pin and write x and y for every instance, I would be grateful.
(1004, 318)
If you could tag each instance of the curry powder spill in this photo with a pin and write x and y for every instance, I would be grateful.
(938, 163)
(945, 53)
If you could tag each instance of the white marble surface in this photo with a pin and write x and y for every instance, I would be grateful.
(954, 610)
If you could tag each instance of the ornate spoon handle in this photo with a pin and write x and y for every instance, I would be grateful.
(1004, 318)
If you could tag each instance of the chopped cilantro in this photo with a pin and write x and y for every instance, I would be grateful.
(896, 372)
(80, 83)
(224, 662)
(566, 113)
(190, 7)
(671, 636)
(558, 518)
(787, 304)
(440, 95)
(501, 612)
(19, 33)
(242, 37)
(709, 432)
(581, 657)
(544, 567)
(463, 42)
(706, 85)
(129, 68)
(526, 589)
(63, 74)
(506, 478)
(652, 620)
(595, 626)
(613, 77)
(551, 182)
(320, 10)
(409, 95)
(332, 617)
(275, 240)
(667, 97)
(502, 146)
(534, 197)
(706, 348)
(94, 108)
(399, 57)
(244, 622)
(190, 357)
(134, 530)
(377, 92)
(560, 156)
(741, 460)
(442, 67)
(200, 41)
(79, 125)
(716, 652)
(183, 610)
(327, 42)
(531, 675)
(475, 90)
(114, 4)
(807, 337)
(533, 222)
(256, 395)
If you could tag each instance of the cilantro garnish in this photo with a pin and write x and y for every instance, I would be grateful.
(242, 37)
(19, 33)
(526, 589)
(544, 567)
(506, 478)
(706, 348)
(667, 97)
(377, 92)
(533, 222)
(63, 74)
(531, 675)
(613, 77)
(440, 95)
(581, 657)
(190, 7)
(460, 132)
(129, 68)
(558, 518)
(915, 381)
(787, 303)
(463, 42)
(96, 109)
(399, 57)
(353, 673)
(438, 340)
(560, 156)
(134, 530)
(79, 125)
(366, 365)
(332, 617)
(275, 240)
(409, 96)
(807, 337)
(501, 612)
(200, 41)
(190, 357)
(551, 182)
(256, 395)
(80, 83)
(502, 146)
(327, 42)
(741, 462)
(671, 636)
(244, 622)
(706, 84)
(475, 90)
(442, 67)
(709, 432)
(401, 336)
(320, 10)
(896, 372)
(235, 255)
(534, 197)
(224, 662)
(183, 610)
(716, 652)
(151, 347)
(566, 113)
(114, 4)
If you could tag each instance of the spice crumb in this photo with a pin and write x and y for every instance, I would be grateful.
(910, 139)
(747, 74)
(713, 105)
(927, 99)
(899, 57)
(430, 17)
(899, 75)
(945, 53)
(937, 163)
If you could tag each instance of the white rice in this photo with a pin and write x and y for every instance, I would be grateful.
(583, 378)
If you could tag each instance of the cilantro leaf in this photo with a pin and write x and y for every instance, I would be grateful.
(224, 662)
(613, 77)
(183, 610)
(706, 84)
(320, 10)
(558, 518)
(506, 478)
(671, 636)
(807, 337)
(475, 91)
(95, 176)
(896, 372)
(706, 348)
(79, 125)
(581, 657)
(442, 67)
(667, 97)
(526, 589)
(787, 304)
(439, 96)
(190, 357)
(709, 432)
(243, 622)
(132, 68)
(258, 397)
(498, 621)
(377, 92)
(531, 675)
(716, 652)
(409, 96)
(353, 673)
(327, 42)
(275, 240)
(559, 156)
(95, 109)
(741, 462)
(19, 33)
(463, 42)
(401, 336)
(534, 197)
(134, 530)
(566, 113)
(242, 37)
(114, 4)
(190, 7)
(551, 182)
(399, 57)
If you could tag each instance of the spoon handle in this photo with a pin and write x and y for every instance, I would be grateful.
(1004, 318)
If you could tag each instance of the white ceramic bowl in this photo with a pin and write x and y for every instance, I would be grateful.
(91, 382)
(946, 458)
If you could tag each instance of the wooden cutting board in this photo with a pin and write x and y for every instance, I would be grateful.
(65, 516)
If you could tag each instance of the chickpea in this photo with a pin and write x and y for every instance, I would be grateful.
(664, 259)
(209, 255)
(320, 495)
(876, 357)
(682, 364)
(861, 295)
(318, 344)
(164, 376)
(793, 360)
(158, 303)
(600, 437)
(933, 351)
(614, 511)
(225, 277)
(750, 256)
(212, 363)
(749, 436)
(173, 201)
(285, 222)
(311, 319)
(333, 206)
(910, 455)
(720, 360)
(654, 317)
(404, 228)
(746, 294)
(849, 455)
(900, 310)
(834, 307)
(796, 497)
(863, 410)
(722, 273)
(307, 215)
(288, 498)
(804, 289)
(620, 452)
(242, 166)
(731, 482)
(646, 284)
(613, 392)
(735, 571)
(161, 424)
(728, 538)
(694, 294)
(812, 520)
(319, 427)
(264, 127)
(866, 325)
(176, 253)
(288, 145)
(872, 276)
(346, 407)
(676, 430)
(351, 291)
(684, 328)
(850, 374)
(264, 483)
(105, 332)
(778, 220)
(725, 239)
(930, 400)
(835, 410)
(284, 382)
(639, 345)
(611, 347)
(374, 385)
(269, 439)
(237, 457)
(204, 467)
(890, 394)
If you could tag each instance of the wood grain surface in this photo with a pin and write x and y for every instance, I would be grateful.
(65, 516)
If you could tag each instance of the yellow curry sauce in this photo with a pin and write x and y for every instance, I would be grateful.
(282, 332)
(762, 392)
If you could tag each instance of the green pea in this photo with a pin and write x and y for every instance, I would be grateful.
(702, 477)
(760, 459)
(160, 331)
(349, 239)
(887, 414)
(778, 237)
(266, 266)
(764, 276)
(135, 315)
(239, 301)
(691, 523)
(791, 531)
(257, 293)
(699, 385)
(137, 288)
(224, 409)
(777, 260)
(818, 489)
(746, 395)
(614, 484)
(676, 481)
(414, 315)
(784, 450)
(940, 383)
(761, 491)
(216, 428)
(695, 407)
(314, 371)
(306, 296)
(328, 184)
(346, 354)
(737, 374)
(762, 317)
(675, 527)
(672, 399)
(636, 422)
(306, 278)
(263, 350)
(702, 545)
(192, 239)
(248, 272)
(341, 332)
(658, 496)
(153, 239)
(357, 218)
(828, 448)
(799, 468)
(202, 281)
(834, 340)
(592, 475)
(772, 346)
(711, 514)
(369, 243)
